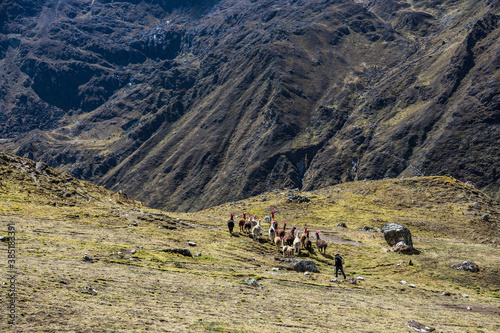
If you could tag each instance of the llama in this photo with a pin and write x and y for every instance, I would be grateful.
(321, 244)
(296, 243)
(256, 231)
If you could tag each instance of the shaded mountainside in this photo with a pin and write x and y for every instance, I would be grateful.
(184, 105)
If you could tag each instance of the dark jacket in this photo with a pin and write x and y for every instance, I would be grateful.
(338, 261)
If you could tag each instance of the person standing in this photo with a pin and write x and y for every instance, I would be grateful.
(339, 262)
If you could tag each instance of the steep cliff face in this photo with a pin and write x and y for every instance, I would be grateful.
(188, 104)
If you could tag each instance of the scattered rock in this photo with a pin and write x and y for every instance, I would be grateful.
(466, 266)
(403, 282)
(4, 239)
(184, 252)
(395, 233)
(446, 293)
(87, 258)
(411, 285)
(475, 204)
(486, 217)
(465, 296)
(298, 198)
(403, 248)
(40, 166)
(369, 229)
(191, 243)
(135, 223)
(334, 280)
(342, 224)
(178, 265)
(419, 327)
(134, 251)
(307, 273)
(89, 290)
(469, 308)
(360, 278)
(305, 266)
(253, 283)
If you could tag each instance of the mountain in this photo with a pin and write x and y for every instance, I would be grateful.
(188, 104)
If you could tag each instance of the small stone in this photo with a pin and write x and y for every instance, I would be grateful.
(411, 285)
(191, 243)
(134, 251)
(119, 252)
(198, 254)
(369, 229)
(275, 269)
(342, 224)
(466, 266)
(135, 223)
(360, 278)
(446, 293)
(90, 290)
(184, 252)
(486, 217)
(254, 283)
(39, 166)
(178, 264)
(403, 282)
(307, 273)
(475, 204)
(469, 308)
(465, 296)
(419, 326)
(334, 280)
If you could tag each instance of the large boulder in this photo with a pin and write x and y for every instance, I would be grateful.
(395, 233)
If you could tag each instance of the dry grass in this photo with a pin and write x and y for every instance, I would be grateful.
(158, 291)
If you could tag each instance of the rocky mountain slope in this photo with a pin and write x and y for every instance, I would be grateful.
(187, 104)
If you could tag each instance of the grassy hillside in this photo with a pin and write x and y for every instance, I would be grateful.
(59, 219)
